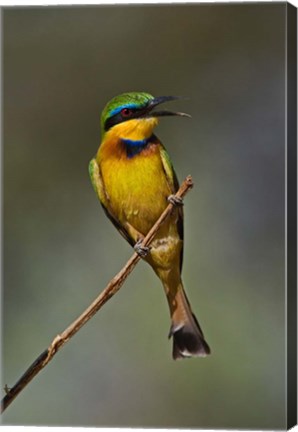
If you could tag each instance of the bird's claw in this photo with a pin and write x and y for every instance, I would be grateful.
(7, 389)
(176, 201)
(142, 251)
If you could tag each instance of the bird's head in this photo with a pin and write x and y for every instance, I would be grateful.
(133, 115)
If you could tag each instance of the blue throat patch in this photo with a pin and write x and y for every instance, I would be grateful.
(134, 147)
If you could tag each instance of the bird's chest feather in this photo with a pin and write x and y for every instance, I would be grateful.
(136, 187)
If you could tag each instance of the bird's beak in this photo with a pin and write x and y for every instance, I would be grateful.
(159, 100)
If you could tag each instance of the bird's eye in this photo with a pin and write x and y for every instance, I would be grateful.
(126, 112)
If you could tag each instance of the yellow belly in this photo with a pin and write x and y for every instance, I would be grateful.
(137, 189)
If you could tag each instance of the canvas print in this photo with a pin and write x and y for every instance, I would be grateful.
(149, 216)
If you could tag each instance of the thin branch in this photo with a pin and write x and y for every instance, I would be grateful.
(114, 285)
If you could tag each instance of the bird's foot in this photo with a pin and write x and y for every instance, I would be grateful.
(176, 201)
(142, 251)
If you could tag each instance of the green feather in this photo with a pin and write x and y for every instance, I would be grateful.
(136, 99)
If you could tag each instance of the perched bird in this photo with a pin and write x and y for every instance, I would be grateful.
(134, 179)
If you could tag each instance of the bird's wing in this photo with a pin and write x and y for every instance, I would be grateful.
(99, 188)
(174, 186)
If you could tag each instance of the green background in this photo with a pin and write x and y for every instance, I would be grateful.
(61, 66)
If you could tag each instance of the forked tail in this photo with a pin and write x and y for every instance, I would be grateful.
(188, 338)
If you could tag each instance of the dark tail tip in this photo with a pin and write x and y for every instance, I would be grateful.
(189, 342)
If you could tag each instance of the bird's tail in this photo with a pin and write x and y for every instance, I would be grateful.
(188, 338)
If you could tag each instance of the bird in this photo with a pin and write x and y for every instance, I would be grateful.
(134, 179)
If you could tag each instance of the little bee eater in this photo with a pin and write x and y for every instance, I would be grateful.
(134, 179)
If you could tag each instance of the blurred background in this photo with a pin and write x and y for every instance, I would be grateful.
(61, 66)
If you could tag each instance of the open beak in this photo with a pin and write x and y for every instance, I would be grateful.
(159, 100)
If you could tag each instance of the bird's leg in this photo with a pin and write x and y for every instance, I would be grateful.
(138, 238)
(141, 250)
(176, 201)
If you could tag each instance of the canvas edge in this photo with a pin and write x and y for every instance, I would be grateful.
(291, 214)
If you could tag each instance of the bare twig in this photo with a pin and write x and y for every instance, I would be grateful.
(114, 285)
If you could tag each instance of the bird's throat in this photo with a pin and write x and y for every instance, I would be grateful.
(127, 139)
(133, 130)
